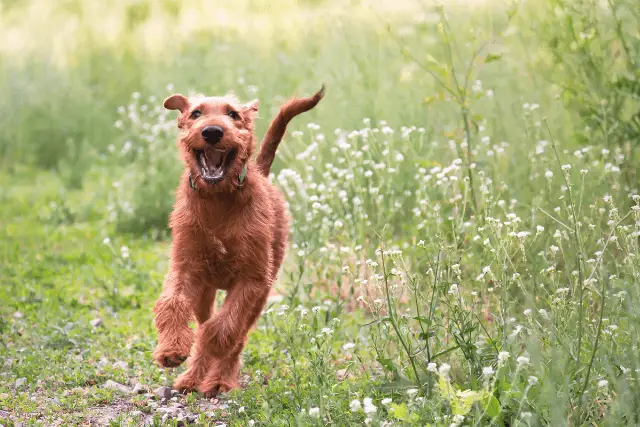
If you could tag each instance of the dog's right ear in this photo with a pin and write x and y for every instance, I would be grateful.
(176, 102)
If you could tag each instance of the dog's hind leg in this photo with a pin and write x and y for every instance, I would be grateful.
(205, 306)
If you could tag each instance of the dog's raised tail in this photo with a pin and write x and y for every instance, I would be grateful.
(278, 126)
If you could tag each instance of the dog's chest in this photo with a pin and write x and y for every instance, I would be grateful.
(217, 251)
(220, 258)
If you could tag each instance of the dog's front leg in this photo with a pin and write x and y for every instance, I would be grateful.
(219, 341)
(220, 335)
(173, 311)
(222, 375)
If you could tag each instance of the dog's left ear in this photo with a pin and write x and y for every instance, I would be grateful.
(251, 110)
(176, 102)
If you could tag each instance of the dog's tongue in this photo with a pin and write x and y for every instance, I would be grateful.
(211, 160)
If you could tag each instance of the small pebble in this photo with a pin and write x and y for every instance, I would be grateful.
(163, 392)
(121, 364)
(20, 382)
(18, 315)
(139, 389)
(96, 322)
(110, 384)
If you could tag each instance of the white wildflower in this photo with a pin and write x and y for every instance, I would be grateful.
(487, 371)
(124, 252)
(369, 407)
(348, 346)
(458, 420)
(444, 369)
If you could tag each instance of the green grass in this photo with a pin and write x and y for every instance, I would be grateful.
(465, 209)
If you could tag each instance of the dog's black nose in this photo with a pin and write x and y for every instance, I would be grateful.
(212, 134)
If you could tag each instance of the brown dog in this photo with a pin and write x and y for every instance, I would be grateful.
(229, 229)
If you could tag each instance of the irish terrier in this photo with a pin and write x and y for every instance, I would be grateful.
(229, 229)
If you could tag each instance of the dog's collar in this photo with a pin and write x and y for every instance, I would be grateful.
(241, 177)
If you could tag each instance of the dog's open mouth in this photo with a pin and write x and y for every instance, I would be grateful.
(213, 163)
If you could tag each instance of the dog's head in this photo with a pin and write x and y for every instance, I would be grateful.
(216, 138)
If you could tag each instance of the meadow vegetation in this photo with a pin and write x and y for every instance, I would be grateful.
(465, 208)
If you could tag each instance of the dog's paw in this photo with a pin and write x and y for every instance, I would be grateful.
(186, 382)
(212, 387)
(171, 357)
(173, 350)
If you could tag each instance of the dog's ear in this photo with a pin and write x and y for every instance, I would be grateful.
(250, 110)
(176, 102)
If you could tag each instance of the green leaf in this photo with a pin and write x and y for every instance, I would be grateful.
(432, 60)
(492, 58)
(398, 383)
(464, 401)
(401, 412)
(388, 365)
(424, 336)
(446, 389)
(491, 406)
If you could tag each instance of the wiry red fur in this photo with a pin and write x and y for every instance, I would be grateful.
(229, 235)
(279, 125)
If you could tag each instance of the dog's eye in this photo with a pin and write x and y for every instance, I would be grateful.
(195, 114)
(233, 114)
